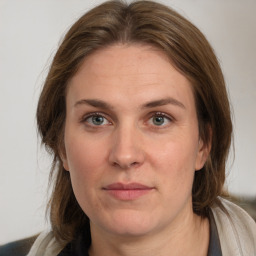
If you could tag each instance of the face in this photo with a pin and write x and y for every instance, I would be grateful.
(132, 144)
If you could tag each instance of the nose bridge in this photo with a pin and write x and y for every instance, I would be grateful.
(126, 150)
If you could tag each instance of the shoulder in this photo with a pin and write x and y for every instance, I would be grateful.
(45, 244)
(236, 229)
(19, 247)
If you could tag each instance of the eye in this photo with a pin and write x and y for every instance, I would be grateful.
(96, 120)
(160, 119)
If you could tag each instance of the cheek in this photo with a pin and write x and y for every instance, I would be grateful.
(175, 164)
(181, 153)
(85, 161)
(84, 154)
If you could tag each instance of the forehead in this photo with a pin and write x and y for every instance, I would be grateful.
(140, 70)
(123, 58)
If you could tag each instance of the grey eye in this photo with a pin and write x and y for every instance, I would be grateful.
(158, 120)
(97, 120)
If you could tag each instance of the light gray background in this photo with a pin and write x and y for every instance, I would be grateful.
(30, 31)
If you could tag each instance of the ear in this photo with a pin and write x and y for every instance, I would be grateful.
(65, 164)
(63, 157)
(204, 149)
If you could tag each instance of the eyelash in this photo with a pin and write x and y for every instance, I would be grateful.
(160, 114)
(85, 118)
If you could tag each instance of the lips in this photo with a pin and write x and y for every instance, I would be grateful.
(127, 192)
(130, 186)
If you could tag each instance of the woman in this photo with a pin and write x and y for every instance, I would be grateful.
(136, 114)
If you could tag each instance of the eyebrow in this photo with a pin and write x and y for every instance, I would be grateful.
(151, 104)
(162, 102)
(94, 103)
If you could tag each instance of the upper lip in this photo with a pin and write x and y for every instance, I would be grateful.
(128, 186)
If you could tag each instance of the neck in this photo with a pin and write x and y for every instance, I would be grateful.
(190, 237)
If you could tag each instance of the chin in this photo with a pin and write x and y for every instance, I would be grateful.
(130, 223)
(131, 230)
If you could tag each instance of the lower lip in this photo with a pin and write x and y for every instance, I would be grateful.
(128, 194)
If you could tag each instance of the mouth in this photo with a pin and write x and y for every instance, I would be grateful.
(127, 192)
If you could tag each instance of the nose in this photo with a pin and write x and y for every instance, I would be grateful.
(126, 149)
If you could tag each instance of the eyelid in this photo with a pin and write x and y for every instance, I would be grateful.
(107, 117)
(159, 113)
(163, 114)
(91, 114)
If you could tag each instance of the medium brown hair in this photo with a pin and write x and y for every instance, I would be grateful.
(143, 22)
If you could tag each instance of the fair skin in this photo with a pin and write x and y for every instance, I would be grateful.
(132, 146)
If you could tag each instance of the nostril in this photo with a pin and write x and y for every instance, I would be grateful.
(124, 165)
(132, 164)
(125, 156)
